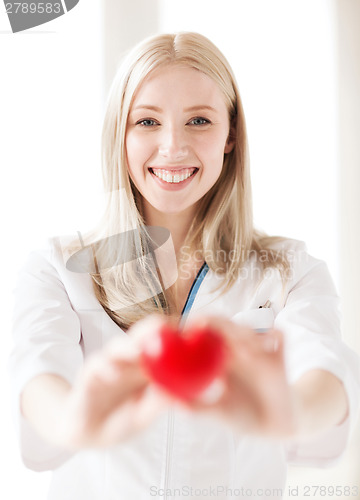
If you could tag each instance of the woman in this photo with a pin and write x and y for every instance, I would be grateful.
(177, 239)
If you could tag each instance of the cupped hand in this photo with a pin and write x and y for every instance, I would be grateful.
(112, 398)
(252, 394)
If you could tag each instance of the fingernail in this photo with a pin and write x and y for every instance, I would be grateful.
(270, 344)
(213, 392)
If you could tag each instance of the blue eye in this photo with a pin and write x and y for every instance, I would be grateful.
(199, 121)
(148, 122)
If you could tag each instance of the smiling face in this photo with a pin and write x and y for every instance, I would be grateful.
(176, 138)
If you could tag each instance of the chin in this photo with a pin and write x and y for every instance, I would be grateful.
(170, 210)
(169, 207)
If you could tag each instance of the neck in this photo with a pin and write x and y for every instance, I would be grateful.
(178, 224)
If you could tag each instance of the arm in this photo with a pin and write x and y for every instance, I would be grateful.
(61, 400)
(43, 402)
(320, 401)
(110, 400)
(256, 396)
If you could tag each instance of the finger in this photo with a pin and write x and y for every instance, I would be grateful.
(129, 346)
(135, 414)
(154, 401)
(143, 328)
(272, 341)
(259, 344)
(212, 393)
(100, 368)
(209, 400)
(122, 348)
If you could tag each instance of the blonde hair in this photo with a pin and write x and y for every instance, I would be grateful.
(224, 219)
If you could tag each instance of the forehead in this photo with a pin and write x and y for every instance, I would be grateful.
(181, 85)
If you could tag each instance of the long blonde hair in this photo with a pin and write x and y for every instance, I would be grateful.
(224, 219)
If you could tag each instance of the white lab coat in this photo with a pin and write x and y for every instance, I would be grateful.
(58, 322)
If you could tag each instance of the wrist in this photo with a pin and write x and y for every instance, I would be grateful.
(44, 403)
(320, 403)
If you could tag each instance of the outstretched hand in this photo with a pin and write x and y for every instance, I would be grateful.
(112, 397)
(252, 394)
(115, 397)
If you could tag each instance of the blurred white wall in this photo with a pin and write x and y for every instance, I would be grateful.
(124, 24)
(348, 133)
(293, 61)
(348, 176)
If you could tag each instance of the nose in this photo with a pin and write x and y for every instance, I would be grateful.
(173, 144)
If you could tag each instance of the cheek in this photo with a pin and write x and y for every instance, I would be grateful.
(135, 152)
(212, 151)
(214, 139)
(131, 147)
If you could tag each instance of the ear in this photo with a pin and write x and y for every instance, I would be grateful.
(231, 140)
(229, 146)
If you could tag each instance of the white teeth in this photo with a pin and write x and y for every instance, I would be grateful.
(166, 176)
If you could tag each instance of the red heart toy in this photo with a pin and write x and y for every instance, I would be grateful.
(184, 365)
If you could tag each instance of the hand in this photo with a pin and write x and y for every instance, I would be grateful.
(253, 394)
(112, 398)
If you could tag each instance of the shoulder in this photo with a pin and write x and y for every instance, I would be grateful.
(306, 272)
(288, 254)
(300, 266)
(275, 247)
(285, 244)
(51, 261)
(294, 251)
(52, 251)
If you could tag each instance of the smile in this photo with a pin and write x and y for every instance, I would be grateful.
(173, 176)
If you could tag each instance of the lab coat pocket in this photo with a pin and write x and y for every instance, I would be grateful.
(261, 320)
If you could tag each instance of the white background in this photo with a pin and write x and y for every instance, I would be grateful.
(52, 103)
(51, 106)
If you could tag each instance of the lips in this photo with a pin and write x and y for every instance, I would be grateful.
(173, 175)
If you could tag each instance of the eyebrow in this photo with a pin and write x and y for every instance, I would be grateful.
(147, 106)
(159, 110)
